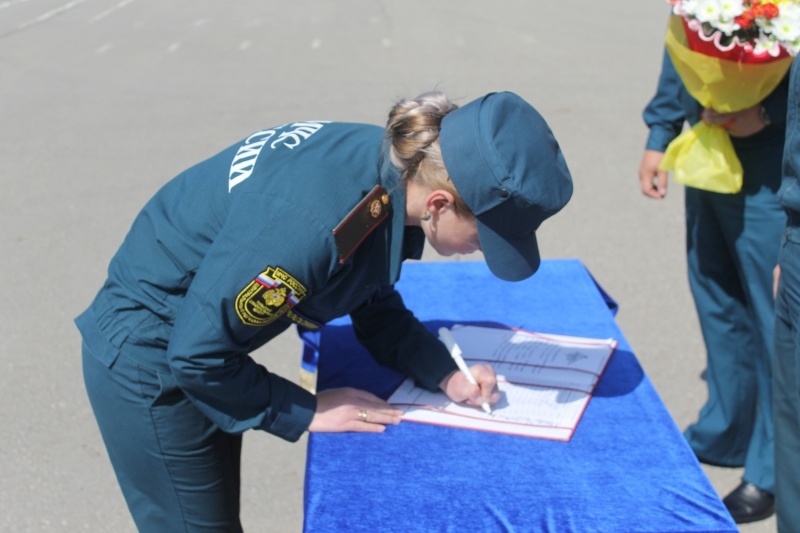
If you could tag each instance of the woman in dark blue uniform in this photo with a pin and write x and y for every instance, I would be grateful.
(299, 224)
(731, 245)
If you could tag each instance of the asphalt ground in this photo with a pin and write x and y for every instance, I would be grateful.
(103, 101)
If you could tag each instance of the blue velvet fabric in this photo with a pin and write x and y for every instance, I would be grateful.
(626, 469)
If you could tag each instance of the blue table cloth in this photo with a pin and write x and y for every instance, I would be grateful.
(627, 468)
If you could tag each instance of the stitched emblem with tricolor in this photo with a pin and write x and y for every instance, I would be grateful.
(269, 296)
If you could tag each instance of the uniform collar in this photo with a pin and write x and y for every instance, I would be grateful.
(394, 228)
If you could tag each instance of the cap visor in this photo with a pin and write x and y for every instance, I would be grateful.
(509, 259)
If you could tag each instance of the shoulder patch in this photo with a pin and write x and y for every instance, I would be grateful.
(269, 296)
(361, 221)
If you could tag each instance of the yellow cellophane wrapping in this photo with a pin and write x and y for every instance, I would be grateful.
(703, 157)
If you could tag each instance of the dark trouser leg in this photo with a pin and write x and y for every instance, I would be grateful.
(786, 386)
(177, 470)
(732, 245)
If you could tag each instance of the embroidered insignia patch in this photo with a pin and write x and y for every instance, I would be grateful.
(269, 296)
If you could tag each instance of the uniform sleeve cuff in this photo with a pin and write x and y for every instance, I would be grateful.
(294, 413)
(434, 367)
(659, 139)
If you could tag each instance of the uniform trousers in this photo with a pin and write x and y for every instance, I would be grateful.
(786, 384)
(177, 470)
(732, 248)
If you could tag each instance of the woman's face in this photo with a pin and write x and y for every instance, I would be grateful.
(450, 233)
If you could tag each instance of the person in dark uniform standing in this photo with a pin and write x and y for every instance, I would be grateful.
(786, 378)
(732, 248)
(299, 224)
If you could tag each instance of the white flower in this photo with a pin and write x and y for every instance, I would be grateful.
(766, 43)
(727, 27)
(731, 9)
(708, 11)
(786, 26)
(687, 7)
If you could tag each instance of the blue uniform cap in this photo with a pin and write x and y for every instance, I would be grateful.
(507, 166)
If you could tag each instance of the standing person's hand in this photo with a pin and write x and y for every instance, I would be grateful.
(348, 409)
(776, 278)
(459, 389)
(652, 181)
(742, 123)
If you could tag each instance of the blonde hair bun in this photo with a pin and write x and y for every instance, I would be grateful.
(413, 135)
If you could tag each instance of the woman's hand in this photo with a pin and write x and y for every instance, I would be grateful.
(459, 389)
(652, 181)
(742, 123)
(346, 409)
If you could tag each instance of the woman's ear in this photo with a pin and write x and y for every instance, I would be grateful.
(438, 201)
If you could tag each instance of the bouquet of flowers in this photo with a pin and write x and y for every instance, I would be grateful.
(730, 55)
(757, 26)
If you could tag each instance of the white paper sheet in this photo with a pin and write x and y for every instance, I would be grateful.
(545, 382)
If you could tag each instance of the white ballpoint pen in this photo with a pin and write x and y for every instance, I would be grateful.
(455, 352)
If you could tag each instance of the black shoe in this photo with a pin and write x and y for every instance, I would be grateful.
(747, 503)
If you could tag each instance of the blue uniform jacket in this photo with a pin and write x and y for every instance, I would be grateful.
(672, 105)
(789, 193)
(236, 249)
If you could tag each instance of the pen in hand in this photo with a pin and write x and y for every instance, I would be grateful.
(455, 353)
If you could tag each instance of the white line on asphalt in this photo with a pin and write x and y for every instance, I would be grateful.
(111, 10)
(43, 17)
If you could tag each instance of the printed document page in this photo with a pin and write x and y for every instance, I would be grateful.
(545, 382)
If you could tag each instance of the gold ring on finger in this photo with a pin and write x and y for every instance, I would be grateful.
(362, 415)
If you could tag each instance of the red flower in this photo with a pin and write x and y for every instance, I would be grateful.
(769, 11)
(744, 21)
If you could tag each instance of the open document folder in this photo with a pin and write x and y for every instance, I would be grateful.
(545, 382)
